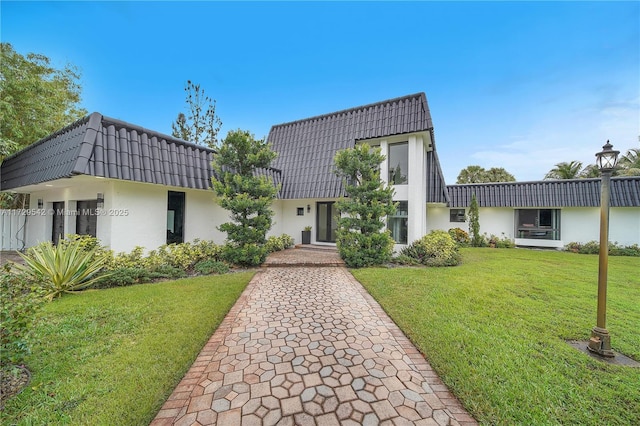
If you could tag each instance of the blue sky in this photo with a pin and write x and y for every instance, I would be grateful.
(517, 85)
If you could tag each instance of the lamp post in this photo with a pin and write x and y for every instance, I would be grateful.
(600, 341)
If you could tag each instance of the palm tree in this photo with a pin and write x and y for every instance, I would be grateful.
(565, 170)
(591, 171)
(630, 163)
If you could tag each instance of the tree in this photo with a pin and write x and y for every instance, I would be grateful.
(564, 170)
(36, 99)
(474, 222)
(201, 125)
(499, 174)
(246, 194)
(630, 163)
(471, 174)
(477, 174)
(591, 171)
(360, 238)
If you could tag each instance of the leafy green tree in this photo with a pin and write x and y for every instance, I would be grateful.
(201, 125)
(361, 240)
(498, 174)
(474, 223)
(247, 195)
(564, 170)
(471, 174)
(477, 174)
(36, 99)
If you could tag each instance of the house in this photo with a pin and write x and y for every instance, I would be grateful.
(550, 213)
(150, 189)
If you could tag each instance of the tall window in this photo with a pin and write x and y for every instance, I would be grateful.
(87, 217)
(538, 224)
(175, 217)
(399, 163)
(397, 223)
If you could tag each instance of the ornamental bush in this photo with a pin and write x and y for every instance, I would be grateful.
(65, 268)
(360, 250)
(460, 236)
(280, 243)
(593, 247)
(210, 266)
(21, 298)
(434, 249)
(361, 237)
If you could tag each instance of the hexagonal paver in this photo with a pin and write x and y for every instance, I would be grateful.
(309, 346)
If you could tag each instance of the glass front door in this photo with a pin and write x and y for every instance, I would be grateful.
(327, 222)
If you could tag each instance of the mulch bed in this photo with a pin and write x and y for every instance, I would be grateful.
(12, 383)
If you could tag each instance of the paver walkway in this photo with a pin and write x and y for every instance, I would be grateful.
(309, 346)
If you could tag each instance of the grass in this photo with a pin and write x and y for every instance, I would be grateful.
(109, 357)
(495, 328)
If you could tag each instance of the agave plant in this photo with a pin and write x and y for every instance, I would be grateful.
(66, 268)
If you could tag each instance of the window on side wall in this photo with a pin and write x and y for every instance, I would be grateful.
(397, 223)
(538, 224)
(399, 163)
(456, 215)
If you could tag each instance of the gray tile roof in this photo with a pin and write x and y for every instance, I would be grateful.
(625, 192)
(306, 148)
(101, 146)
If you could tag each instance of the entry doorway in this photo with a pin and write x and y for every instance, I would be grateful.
(326, 222)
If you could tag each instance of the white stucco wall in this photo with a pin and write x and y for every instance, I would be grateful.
(69, 191)
(135, 214)
(576, 224)
(287, 221)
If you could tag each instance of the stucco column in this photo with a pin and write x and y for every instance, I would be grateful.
(417, 190)
(384, 166)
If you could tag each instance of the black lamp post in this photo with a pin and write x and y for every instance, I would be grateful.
(600, 341)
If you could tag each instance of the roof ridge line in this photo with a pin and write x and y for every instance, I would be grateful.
(542, 181)
(79, 122)
(344, 111)
(169, 138)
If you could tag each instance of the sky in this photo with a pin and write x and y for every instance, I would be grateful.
(519, 85)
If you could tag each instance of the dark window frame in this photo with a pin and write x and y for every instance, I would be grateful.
(394, 164)
(538, 224)
(456, 217)
(402, 217)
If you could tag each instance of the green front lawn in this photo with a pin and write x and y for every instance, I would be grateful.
(495, 327)
(108, 357)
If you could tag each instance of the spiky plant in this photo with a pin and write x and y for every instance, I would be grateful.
(65, 268)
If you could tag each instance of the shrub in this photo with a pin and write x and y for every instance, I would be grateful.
(282, 242)
(593, 247)
(65, 268)
(21, 298)
(244, 254)
(167, 271)
(632, 250)
(434, 249)
(210, 266)
(360, 250)
(122, 277)
(403, 259)
(498, 242)
(460, 236)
